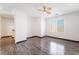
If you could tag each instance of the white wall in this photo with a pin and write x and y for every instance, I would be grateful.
(20, 25)
(29, 24)
(34, 26)
(43, 26)
(71, 27)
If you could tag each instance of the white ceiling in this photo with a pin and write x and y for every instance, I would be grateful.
(31, 8)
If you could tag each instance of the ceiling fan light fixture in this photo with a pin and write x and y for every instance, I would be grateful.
(45, 10)
(44, 13)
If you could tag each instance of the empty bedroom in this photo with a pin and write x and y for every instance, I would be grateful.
(39, 28)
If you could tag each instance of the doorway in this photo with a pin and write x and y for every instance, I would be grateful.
(7, 30)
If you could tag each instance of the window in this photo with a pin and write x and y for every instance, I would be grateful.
(56, 25)
(60, 25)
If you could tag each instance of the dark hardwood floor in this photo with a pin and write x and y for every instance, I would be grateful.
(42, 46)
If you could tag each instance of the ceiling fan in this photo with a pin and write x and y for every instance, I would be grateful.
(45, 10)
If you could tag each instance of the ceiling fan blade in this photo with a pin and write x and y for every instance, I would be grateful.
(48, 12)
(44, 7)
(39, 9)
(49, 8)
